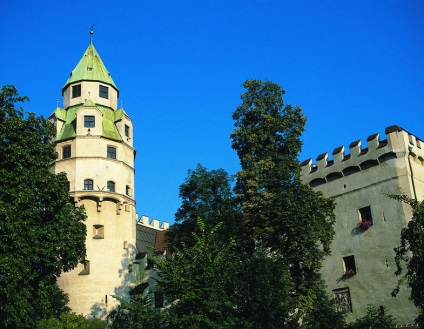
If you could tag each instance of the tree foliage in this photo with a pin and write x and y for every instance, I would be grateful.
(410, 253)
(375, 318)
(136, 314)
(42, 234)
(283, 215)
(208, 195)
(197, 282)
(70, 321)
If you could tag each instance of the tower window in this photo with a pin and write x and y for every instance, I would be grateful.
(84, 268)
(349, 266)
(342, 300)
(88, 184)
(365, 215)
(76, 91)
(128, 190)
(111, 152)
(111, 186)
(89, 121)
(98, 232)
(127, 131)
(103, 92)
(66, 152)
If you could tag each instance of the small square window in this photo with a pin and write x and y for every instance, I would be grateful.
(365, 215)
(342, 300)
(111, 186)
(76, 91)
(66, 152)
(89, 121)
(127, 131)
(88, 184)
(98, 232)
(111, 152)
(84, 268)
(103, 92)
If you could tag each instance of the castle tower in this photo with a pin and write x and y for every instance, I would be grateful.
(95, 148)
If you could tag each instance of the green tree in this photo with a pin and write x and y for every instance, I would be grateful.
(208, 195)
(136, 314)
(42, 234)
(197, 282)
(70, 321)
(376, 318)
(283, 215)
(410, 253)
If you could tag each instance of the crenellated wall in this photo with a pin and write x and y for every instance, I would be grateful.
(398, 143)
(144, 220)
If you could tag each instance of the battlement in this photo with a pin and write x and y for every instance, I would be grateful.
(398, 143)
(144, 220)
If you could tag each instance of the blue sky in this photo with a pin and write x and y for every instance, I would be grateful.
(355, 67)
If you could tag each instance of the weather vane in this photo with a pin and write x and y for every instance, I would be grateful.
(91, 33)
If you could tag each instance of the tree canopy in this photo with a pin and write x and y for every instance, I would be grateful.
(283, 215)
(410, 253)
(42, 234)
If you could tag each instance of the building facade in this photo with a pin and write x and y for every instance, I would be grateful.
(360, 269)
(94, 144)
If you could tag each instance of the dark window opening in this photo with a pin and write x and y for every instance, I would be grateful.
(127, 131)
(349, 266)
(128, 190)
(89, 121)
(66, 152)
(88, 184)
(111, 186)
(76, 91)
(365, 214)
(103, 92)
(111, 152)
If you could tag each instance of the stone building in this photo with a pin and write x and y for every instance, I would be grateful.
(94, 143)
(360, 270)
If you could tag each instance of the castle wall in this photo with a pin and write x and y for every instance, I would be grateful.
(357, 181)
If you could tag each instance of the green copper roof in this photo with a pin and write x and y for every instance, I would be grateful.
(91, 67)
(109, 129)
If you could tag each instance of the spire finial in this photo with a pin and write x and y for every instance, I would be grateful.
(57, 102)
(91, 33)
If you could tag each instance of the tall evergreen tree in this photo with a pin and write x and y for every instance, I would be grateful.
(284, 216)
(41, 233)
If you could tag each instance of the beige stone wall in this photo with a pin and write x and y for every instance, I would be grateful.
(90, 90)
(361, 179)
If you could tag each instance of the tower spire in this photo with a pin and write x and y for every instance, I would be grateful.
(91, 34)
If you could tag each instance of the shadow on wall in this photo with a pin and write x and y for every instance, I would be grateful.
(126, 273)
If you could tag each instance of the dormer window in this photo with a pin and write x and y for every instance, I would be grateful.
(76, 91)
(104, 92)
(89, 121)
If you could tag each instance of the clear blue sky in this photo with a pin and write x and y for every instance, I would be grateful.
(355, 67)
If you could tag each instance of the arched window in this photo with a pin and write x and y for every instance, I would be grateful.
(111, 186)
(88, 184)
